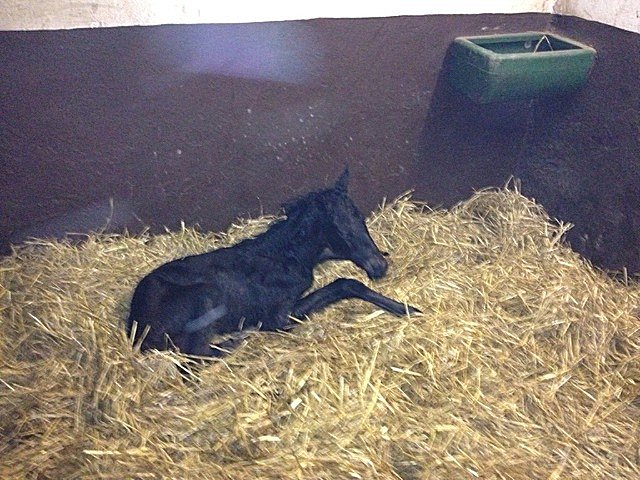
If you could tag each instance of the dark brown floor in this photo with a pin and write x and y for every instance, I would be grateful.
(156, 125)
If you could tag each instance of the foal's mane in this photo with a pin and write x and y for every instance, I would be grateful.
(308, 212)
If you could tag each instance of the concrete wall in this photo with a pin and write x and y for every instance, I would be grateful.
(54, 14)
(623, 14)
(58, 14)
(64, 14)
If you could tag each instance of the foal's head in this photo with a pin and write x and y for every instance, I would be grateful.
(344, 230)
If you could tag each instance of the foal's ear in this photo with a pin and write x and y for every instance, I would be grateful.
(342, 184)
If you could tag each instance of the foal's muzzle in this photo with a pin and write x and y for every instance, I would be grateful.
(376, 267)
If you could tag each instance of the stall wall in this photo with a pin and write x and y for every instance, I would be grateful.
(619, 13)
(61, 14)
(57, 14)
(142, 126)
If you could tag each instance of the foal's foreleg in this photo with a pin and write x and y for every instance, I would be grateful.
(344, 288)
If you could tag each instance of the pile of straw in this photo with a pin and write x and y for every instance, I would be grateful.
(525, 363)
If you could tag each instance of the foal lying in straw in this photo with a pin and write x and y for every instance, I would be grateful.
(259, 283)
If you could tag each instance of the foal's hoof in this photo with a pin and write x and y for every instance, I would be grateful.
(401, 310)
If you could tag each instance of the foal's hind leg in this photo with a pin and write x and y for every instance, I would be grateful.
(344, 288)
(200, 346)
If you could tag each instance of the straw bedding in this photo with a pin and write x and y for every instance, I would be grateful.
(525, 363)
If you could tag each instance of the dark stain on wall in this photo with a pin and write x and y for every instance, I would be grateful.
(150, 126)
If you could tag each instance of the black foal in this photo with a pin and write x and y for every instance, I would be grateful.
(259, 283)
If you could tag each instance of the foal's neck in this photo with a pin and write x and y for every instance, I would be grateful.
(293, 238)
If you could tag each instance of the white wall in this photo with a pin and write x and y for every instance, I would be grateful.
(61, 14)
(58, 14)
(620, 13)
